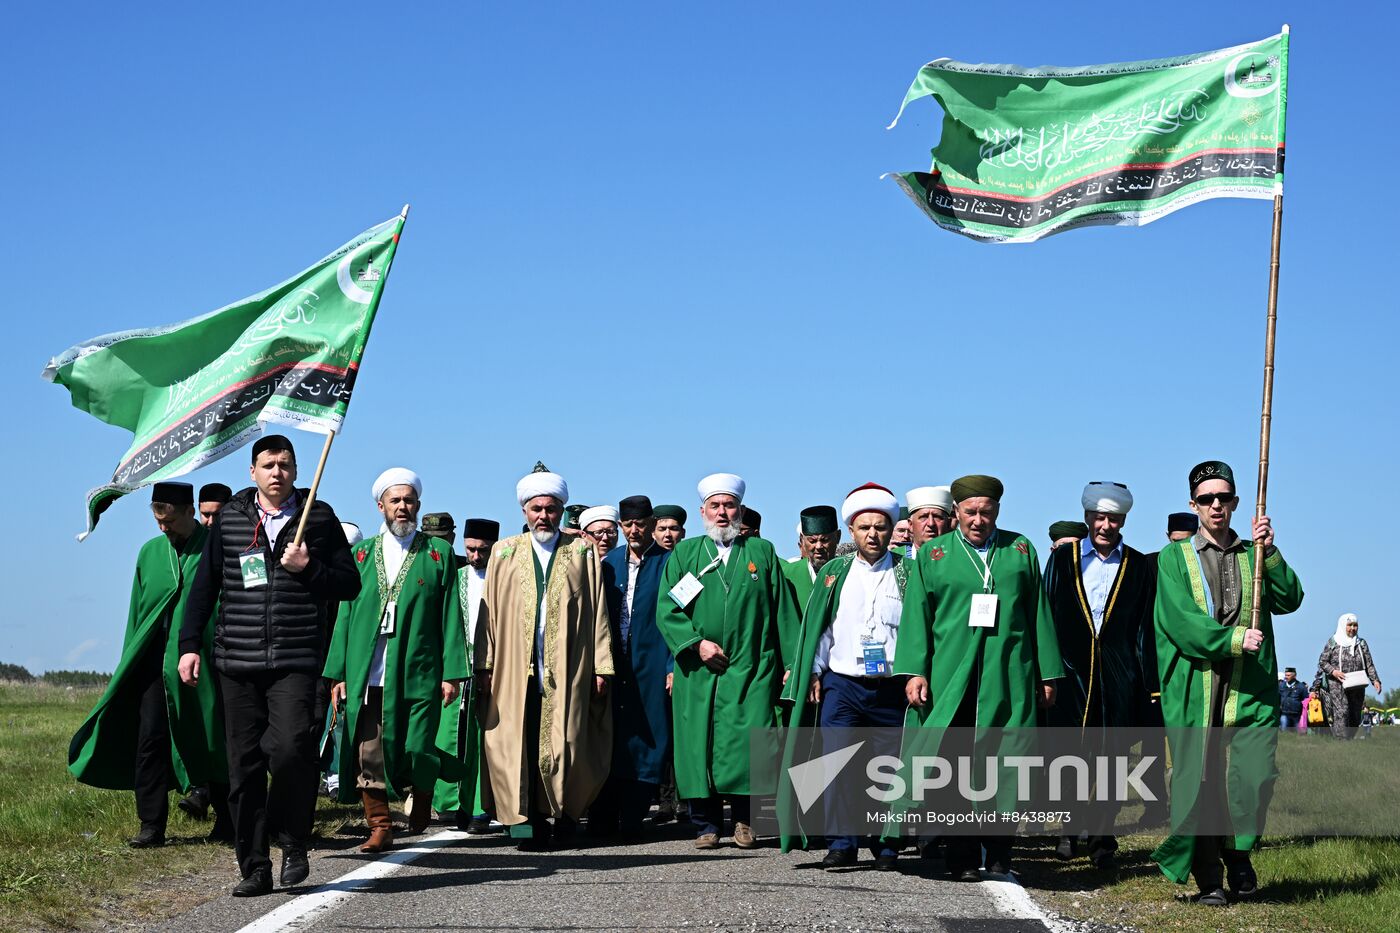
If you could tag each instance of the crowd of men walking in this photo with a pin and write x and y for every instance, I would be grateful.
(564, 677)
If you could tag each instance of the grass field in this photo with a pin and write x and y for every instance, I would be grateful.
(64, 862)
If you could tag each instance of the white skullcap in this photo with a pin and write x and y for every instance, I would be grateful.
(543, 483)
(397, 476)
(870, 498)
(929, 497)
(1112, 498)
(353, 534)
(721, 483)
(597, 513)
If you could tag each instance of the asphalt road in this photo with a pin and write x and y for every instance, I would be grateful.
(483, 883)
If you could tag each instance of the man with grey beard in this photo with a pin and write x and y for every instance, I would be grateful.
(724, 602)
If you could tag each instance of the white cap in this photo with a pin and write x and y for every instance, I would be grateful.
(929, 497)
(397, 476)
(870, 498)
(1111, 498)
(353, 534)
(597, 513)
(721, 484)
(543, 483)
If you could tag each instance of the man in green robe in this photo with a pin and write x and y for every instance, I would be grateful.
(149, 732)
(723, 603)
(820, 535)
(976, 640)
(398, 655)
(1218, 671)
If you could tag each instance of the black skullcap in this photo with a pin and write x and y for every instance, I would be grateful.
(752, 519)
(273, 442)
(1183, 521)
(1074, 530)
(669, 511)
(172, 494)
(482, 528)
(634, 508)
(1211, 469)
(215, 492)
(572, 513)
(1290, 670)
(818, 520)
(904, 513)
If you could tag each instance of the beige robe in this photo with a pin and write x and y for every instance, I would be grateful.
(575, 749)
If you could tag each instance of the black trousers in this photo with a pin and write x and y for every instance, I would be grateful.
(268, 730)
(153, 771)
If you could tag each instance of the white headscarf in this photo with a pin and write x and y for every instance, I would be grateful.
(1346, 642)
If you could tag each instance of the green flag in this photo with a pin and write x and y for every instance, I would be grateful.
(194, 391)
(1027, 152)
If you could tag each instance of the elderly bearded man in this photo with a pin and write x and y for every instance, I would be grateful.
(724, 604)
(149, 731)
(459, 730)
(930, 515)
(844, 658)
(641, 704)
(543, 655)
(1101, 592)
(599, 526)
(1218, 671)
(399, 655)
(975, 595)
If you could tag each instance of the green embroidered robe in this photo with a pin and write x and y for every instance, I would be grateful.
(799, 575)
(1193, 650)
(427, 648)
(459, 729)
(103, 751)
(744, 607)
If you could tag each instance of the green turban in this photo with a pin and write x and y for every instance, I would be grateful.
(977, 485)
(669, 511)
(1076, 530)
(818, 520)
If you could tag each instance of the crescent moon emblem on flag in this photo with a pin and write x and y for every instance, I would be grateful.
(347, 285)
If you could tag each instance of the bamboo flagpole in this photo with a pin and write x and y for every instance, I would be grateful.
(1266, 409)
(325, 452)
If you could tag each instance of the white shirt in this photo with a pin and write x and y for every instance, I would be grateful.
(543, 552)
(395, 550)
(723, 550)
(476, 590)
(1098, 573)
(274, 522)
(634, 566)
(867, 612)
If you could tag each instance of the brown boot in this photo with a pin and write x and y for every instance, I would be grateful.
(421, 813)
(381, 827)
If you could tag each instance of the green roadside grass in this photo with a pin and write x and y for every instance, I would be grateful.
(64, 862)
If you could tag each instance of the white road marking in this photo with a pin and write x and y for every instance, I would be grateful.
(302, 911)
(1013, 900)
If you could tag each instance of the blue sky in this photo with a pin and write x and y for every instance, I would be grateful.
(650, 241)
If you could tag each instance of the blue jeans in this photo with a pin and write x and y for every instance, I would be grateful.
(1289, 720)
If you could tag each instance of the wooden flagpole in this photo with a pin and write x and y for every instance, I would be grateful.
(1266, 413)
(321, 466)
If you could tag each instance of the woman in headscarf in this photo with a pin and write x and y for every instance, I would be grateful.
(1346, 653)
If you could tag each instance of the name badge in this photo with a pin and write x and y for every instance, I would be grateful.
(684, 592)
(388, 621)
(984, 610)
(254, 567)
(876, 664)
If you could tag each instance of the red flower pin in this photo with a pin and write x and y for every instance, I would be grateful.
(434, 555)
(936, 553)
(752, 568)
(420, 581)
(830, 580)
(359, 557)
(1023, 547)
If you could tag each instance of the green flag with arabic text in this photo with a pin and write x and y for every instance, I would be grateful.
(194, 391)
(1027, 152)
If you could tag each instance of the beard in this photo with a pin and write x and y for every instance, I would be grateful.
(401, 529)
(721, 535)
(544, 535)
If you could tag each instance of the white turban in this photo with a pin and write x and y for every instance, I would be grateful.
(929, 497)
(397, 476)
(542, 484)
(721, 483)
(870, 498)
(1112, 498)
(352, 532)
(597, 513)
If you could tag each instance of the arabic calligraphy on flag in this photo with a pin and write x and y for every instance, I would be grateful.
(1027, 152)
(192, 392)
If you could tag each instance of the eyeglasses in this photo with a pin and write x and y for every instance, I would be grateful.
(606, 533)
(1208, 499)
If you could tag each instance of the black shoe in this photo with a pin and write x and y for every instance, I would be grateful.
(1213, 898)
(967, 874)
(839, 858)
(931, 850)
(1068, 847)
(479, 826)
(999, 867)
(1239, 874)
(148, 838)
(1103, 861)
(887, 862)
(255, 885)
(295, 867)
(196, 805)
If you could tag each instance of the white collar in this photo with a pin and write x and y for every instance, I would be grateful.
(1087, 549)
(884, 563)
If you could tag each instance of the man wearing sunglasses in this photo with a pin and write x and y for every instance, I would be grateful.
(1218, 671)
